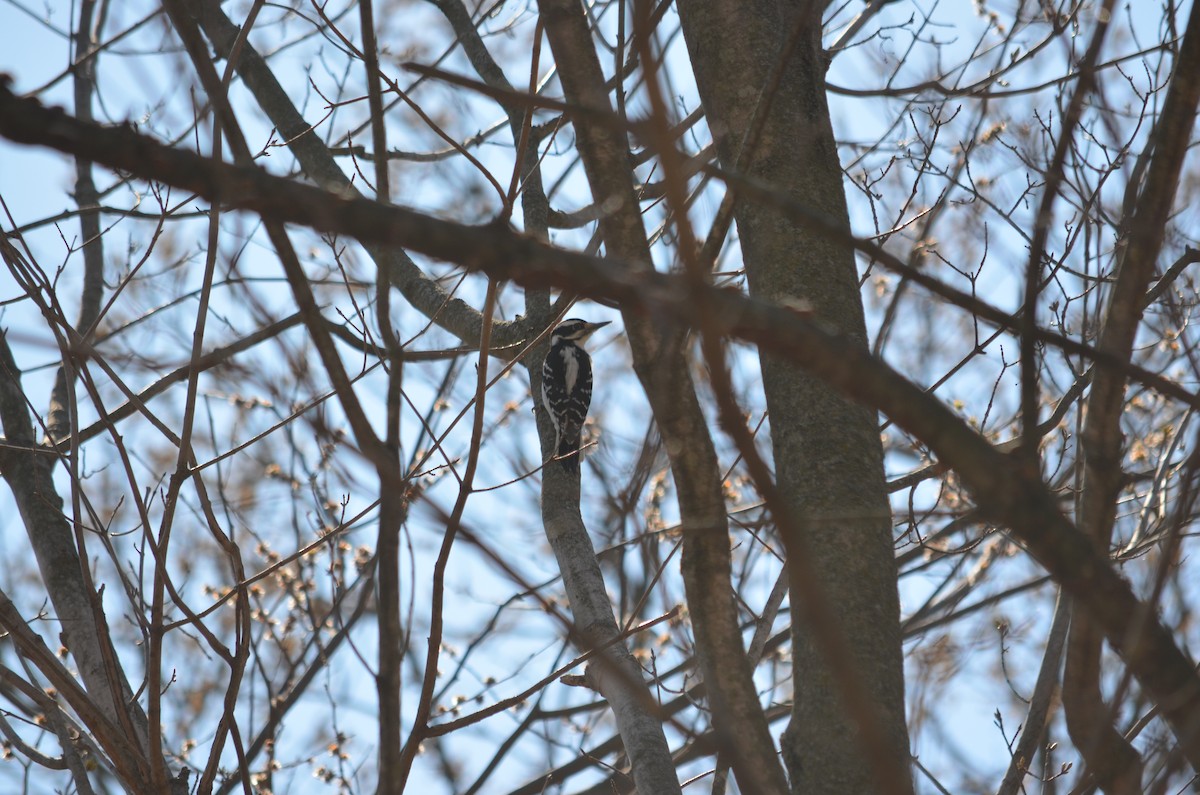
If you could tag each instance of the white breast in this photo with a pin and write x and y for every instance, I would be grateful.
(571, 361)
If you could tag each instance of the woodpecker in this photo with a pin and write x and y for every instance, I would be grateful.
(567, 386)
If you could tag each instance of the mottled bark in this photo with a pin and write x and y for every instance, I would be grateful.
(828, 456)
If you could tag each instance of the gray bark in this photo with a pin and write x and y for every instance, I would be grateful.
(618, 676)
(828, 455)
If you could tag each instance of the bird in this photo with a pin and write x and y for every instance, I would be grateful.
(567, 386)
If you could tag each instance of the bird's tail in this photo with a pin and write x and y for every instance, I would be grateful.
(568, 455)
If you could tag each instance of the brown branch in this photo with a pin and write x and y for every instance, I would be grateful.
(385, 460)
(86, 196)
(408, 753)
(1054, 178)
(738, 718)
(1040, 704)
(213, 358)
(57, 548)
(830, 506)
(129, 762)
(30, 477)
(492, 248)
(1110, 757)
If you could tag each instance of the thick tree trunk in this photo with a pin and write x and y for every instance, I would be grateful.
(828, 455)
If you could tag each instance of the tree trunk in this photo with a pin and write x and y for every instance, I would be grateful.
(828, 456)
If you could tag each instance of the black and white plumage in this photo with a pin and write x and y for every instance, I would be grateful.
(567, 387)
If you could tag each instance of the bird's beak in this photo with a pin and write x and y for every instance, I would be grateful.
(592, 328)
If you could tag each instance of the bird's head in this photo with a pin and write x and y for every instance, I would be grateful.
(576, 330)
